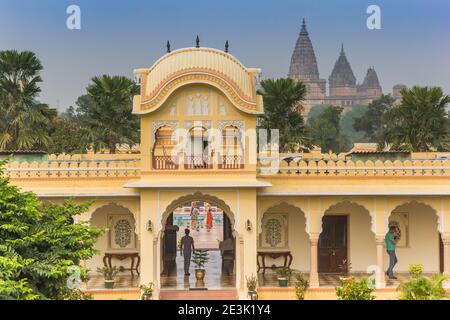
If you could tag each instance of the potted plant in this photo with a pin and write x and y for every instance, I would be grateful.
(284, 274)
(252, 283)
(147, 291)
(199, 259)
(301, 285)
(109, 274)
(345, 266)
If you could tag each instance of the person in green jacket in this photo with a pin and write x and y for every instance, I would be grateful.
(391, 241)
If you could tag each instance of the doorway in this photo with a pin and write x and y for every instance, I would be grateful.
(212, 231)
(333, 240)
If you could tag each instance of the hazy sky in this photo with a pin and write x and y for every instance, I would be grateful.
(413, 46)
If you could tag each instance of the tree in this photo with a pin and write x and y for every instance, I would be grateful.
(348, 121)
(40, 245)
(23, 120)
(282, 110)
(326, 131)
(371, 123)
(107, 112)
(420, 123)
(67, 137)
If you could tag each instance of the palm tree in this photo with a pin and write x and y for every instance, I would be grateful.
(108, 115)
(22, 119)
(282, 110)
(420, 123)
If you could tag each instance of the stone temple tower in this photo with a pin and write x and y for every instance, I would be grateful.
(304, 68)
(370, 89)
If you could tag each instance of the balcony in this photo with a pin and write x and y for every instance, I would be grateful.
(197, 162)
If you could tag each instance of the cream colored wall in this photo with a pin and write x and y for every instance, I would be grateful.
(423, 239)
(361, 240)
(99, 219)
(298, 239)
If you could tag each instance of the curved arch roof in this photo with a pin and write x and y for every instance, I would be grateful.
(198, 65)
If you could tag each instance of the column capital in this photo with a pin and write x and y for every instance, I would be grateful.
(314, 238)
(380, 239)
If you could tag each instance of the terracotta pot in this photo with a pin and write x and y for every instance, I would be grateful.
(109, 284)
(200, 274)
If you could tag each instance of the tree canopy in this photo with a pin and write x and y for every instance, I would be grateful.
(106, 111)
(282, 104)
(420, 123)
(40, 245)
(23, 120)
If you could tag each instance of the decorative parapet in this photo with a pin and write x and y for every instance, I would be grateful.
(342, 168)
(69, 168)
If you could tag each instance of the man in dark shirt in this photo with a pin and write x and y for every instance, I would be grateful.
(187, 246)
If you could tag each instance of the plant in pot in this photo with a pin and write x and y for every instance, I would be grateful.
(200, 258)
(147, 291)
(252, 283)
(284, 274)
(345, 266)
(109, 274)
(301, 285)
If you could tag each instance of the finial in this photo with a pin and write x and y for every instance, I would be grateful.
(226, 46)
(197, 42)
(342, 49)
(168, 46)
(304, 22)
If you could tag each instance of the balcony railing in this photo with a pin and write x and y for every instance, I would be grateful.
(165, 163)
(197, 162)
(102, 168)
(231, 162)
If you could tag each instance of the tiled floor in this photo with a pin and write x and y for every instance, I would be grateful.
(214, 278)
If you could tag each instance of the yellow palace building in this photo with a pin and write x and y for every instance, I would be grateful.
(315, 212)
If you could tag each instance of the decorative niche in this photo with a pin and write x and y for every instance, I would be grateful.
(274, 233)
(122, 234)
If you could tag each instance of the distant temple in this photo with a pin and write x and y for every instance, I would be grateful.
(343, 88)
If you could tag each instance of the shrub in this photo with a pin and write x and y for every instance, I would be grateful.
(301, 285)
(421, 288)
(252, 283)
(352, 289)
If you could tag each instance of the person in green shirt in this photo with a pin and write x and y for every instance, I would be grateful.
(391, 240)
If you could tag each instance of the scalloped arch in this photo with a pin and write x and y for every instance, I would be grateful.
(272, 206)
(438, 214)
(197, 196)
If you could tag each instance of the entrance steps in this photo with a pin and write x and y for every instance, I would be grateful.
(226, 294)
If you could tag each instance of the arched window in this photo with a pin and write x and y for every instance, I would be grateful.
(232, 155)
(198, 151)
(163, 157)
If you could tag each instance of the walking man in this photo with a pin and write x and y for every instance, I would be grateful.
(391, 240)
(186, 249)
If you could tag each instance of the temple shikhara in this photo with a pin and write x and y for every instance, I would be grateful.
(344, 91)
(198, 167)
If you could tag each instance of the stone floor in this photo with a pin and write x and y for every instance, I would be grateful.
(214, 278)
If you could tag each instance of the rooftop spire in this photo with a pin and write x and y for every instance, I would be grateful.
(226, 46)
(342, 74)
(168, 46)
(197, 42)
(303, 61)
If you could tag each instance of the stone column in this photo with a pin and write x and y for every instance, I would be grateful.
(314, 270)
(446, 242)
(148, 265)
(380, 279)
